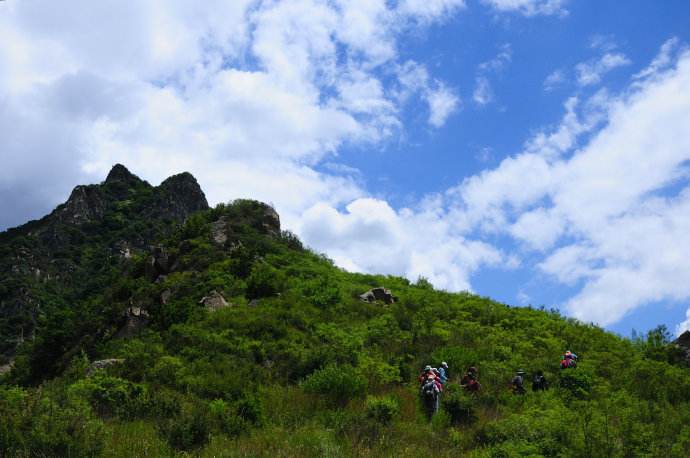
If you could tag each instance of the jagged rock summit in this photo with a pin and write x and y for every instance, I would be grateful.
(120, 173)
(114, 219)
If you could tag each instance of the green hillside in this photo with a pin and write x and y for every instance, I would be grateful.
(224, 336)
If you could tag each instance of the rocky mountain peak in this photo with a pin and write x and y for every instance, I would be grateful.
(85, 203)
(120, 173)
(179, 196)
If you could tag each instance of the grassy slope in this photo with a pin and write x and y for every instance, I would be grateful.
(232, 382)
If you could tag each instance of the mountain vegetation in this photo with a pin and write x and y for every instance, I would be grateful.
(137, 321)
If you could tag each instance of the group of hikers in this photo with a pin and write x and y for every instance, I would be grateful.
(432, 381)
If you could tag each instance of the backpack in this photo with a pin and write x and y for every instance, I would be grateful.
(429, 389)
(539, 382)
(517, 381)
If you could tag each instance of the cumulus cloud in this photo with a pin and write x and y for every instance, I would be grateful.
(530, 7)
(604, 196)
(371, 236)
(442, 101)
(226, 90)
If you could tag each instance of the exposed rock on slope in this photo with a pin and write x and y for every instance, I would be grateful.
(99, 224)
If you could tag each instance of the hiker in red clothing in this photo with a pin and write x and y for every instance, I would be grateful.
(470, 380)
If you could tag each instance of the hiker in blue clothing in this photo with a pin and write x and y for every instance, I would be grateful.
(443, 372)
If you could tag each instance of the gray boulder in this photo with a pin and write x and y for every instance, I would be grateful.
(378, 294)
(102, 364)
(214, 301)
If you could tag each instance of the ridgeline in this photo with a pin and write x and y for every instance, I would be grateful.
(137, 321)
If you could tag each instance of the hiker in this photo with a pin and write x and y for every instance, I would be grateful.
(539, 382)
(437, 374)
(443, 372)
(429, 392)
(518, 382)
(424, 375)
(569, 360)
(470, 380)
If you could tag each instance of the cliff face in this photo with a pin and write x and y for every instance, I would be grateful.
(97, 226)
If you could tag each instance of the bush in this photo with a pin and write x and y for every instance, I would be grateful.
(188, 430)
(166, 370)
(264, 281)
(576, 383)
(226, 419)
(64, 430)
(460, 409)
(111, 395)
(382, 409)
(339, 384)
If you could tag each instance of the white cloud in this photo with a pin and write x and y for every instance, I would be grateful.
(553, 80)
(442, 103)
(218, 88)
(662, 61)
(607, 213)
(430, 9)
(441, 100)
(530, 7)
(684, 325)
(591, 72)
(483, 92)
(370, 236)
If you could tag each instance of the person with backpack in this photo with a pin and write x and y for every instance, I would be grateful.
(470, 381)
(569, 360)
(518, 382)
(539, 382)
(424, 375)
(443, 372)
(429, 393)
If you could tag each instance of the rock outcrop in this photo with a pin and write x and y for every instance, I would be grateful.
(214, 301)
(135, 320)
(683, 342)
(85, 204)
(102, 364)
(378, 294)
(160, 262)
(178, 197)
(219, 231)
(270, 221)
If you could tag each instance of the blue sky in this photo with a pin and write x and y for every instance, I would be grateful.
(533, 151)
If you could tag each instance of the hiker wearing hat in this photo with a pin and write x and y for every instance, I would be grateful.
(443, 372)
(425, 373)
(569, 360)
(429, 392)
(518, 382)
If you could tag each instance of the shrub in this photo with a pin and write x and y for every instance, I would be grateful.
(460, 409)
(64, 430)
(226, 419)
(382, 409)
(576, 383)
(111, 395)
(190, 429)
(264, 281)
(250, 410)
(339, 384)
(166, 370)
